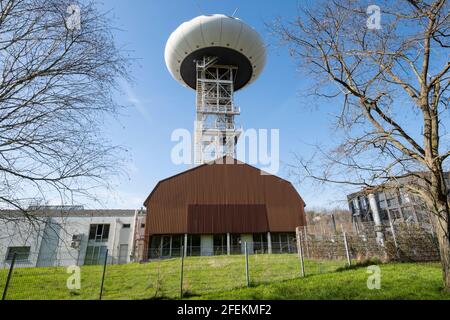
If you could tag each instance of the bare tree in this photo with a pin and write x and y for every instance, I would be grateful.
(328, 221)
(59, 66)
(393, 79)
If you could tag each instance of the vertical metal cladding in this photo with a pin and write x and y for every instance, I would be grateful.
(224, 218)
(218, 198)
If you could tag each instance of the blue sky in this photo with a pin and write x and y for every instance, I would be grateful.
(159, 105)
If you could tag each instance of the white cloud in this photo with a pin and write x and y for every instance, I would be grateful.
(137, 102)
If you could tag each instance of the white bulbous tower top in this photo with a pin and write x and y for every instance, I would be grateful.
(229, 39)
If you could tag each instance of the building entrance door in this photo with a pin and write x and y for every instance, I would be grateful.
(123, 253)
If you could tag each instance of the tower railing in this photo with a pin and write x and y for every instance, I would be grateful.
(215, 123)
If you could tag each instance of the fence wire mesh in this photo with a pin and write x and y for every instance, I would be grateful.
(405, 242)
(156, 279)
(192, 276)
(41, 283)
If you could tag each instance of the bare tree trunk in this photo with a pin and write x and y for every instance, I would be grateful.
(444, 249)
(375, 70)
(438, 192)
(441, 226)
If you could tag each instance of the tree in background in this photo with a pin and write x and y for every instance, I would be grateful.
(390, 66)
(329, 221)
(59, 67)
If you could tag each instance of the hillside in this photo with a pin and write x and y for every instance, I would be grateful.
(408, 281)
(223, 277)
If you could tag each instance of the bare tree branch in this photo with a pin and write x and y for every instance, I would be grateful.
(383, 75)
(57, 82)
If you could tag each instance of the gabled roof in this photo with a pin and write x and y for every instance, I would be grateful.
(226, 160)
(229, 195)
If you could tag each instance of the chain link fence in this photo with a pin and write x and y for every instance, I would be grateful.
(402, 242)
(20, 281)
(157, 279)
(193, 276)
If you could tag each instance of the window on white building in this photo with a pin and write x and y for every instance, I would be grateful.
(395, 214)
(404, 197)
(95, 255)
(22, 253)
(356, 204)
(99, 232)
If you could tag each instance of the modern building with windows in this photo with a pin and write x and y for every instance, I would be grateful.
(218, 207)
(392, 202)
(71, 236)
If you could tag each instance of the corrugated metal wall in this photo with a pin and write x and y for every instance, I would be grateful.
(233, 218)
(179, 204)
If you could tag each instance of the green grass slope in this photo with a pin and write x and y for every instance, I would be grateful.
(223, 277)
(412, 281)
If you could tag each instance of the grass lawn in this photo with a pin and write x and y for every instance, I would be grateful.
(223, 277)
(407, 281)
(158, 279)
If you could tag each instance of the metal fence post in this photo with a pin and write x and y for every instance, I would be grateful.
(394, 236)
(247, 276)
(347, 251)
(8, 279)
(300, 250)
(333, 220)
(103, 276)
(306, 242)
(181, 272)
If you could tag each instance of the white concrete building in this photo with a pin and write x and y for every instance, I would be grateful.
(70, 236)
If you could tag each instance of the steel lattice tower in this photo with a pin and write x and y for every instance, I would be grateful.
(216, 55)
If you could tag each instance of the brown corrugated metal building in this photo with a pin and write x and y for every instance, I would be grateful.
(216, 208)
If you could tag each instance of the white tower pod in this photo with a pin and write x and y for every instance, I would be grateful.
(215, 55)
